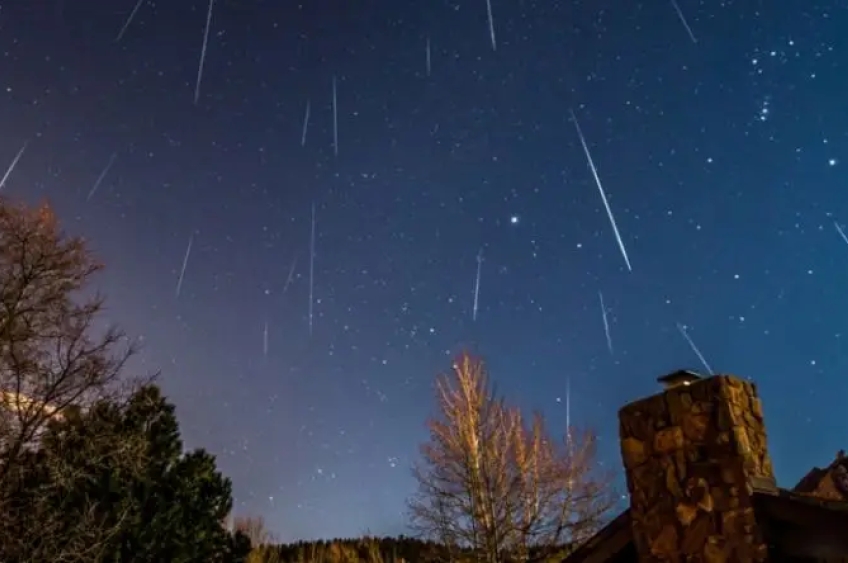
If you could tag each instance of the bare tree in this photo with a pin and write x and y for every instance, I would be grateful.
(54, 355)
(254, 528)
(502, 488)
(557, 497)
(261, 539)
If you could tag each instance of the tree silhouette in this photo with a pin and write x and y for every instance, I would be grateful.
(113, 484)
(53, 356)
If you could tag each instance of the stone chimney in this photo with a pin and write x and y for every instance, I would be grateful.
(693, 456)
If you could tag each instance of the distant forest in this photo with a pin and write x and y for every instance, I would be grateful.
(347, 550)
(368, 549)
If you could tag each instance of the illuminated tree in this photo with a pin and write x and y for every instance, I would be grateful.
(491, 482)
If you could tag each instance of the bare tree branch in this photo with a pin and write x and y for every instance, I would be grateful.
(56, 357)
(254, 528)
(490, 482)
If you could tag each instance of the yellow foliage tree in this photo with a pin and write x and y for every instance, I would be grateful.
(492, 482)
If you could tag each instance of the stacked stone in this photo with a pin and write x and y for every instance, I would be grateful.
(692, 456)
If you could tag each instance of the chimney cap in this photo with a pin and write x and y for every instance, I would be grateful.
(678, 378)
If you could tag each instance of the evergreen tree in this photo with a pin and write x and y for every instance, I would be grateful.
(120, 467)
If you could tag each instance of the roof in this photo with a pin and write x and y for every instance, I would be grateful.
(830, 482)
(611, 540)
(827, 518)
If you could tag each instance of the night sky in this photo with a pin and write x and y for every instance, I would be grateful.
(721, 150)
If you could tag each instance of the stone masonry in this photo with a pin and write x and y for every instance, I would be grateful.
(693, 456)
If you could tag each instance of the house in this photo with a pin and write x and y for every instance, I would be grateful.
(702, 487)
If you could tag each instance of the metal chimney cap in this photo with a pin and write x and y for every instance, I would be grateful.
(678, 378)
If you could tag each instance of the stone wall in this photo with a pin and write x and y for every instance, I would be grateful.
(693, 456)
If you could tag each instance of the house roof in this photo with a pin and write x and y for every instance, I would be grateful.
(787, 509)
(830, 482)
(611, 540)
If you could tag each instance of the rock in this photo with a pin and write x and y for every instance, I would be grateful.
(695, 538)
(665, 544)
(668, 440)
(695, 426)
(714, 551)
(686, 513)
(634, 452)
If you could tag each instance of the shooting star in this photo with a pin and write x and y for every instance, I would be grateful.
(335, 119)
(265, 340)
(491, 25)
(129, 21)
(569, 436)
(13, 165)
(185, 264)
(427, 55)
(290, 278)
(685, 334)
(601, 190)
(102, 176)
(683, 21)
(311, 269)
(606, 322)
(305, 124)
(835, 224)
(477, 285)
(203, 53)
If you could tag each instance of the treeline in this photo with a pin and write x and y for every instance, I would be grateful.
(365, 549)
(93, 470)
(401, 549)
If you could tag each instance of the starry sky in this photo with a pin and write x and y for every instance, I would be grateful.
(718, 131)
